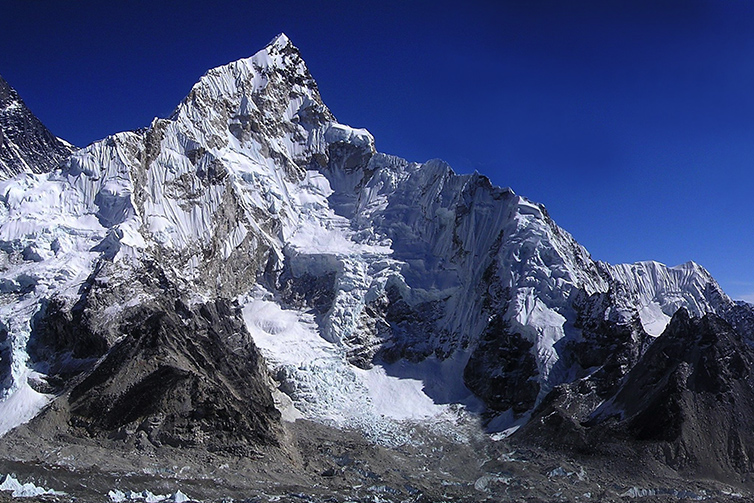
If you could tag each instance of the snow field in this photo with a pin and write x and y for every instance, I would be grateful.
(323, 386)
(21, 405)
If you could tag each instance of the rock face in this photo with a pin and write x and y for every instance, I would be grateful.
(688, 402)
(185, 377)
(26, 145)
(140, 279)
(161, 372)
(513, 387)
(692, 391)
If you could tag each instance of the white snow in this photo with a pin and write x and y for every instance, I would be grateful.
(118, 496)
(27, 490)
(653, 319)
(13, 105)
(356, 137)
(323, 385)
(397, 398)
(21, 406)
(658, 291)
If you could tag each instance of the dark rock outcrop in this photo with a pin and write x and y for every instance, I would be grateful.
(687, 403)
(155, 373)
(186, 376)
(610, 346)
(512, 382)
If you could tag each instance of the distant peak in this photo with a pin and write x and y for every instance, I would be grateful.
(7, 93)
(26, 145)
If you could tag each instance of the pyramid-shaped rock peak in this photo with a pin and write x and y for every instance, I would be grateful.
(26, 145)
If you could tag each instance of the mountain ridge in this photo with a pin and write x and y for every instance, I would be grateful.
(162, 192)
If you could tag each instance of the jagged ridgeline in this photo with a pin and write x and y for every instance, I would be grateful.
(250, 260)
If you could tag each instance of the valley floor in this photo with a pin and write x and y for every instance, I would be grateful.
(320, 464)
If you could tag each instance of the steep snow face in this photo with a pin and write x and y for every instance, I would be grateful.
(543, 266)
(658, 291)
(389, 278)
(457, 234)
(25, 143)
(223, 179)
(474, 249)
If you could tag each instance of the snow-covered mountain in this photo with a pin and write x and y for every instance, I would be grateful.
(379, 291)
(26, 145)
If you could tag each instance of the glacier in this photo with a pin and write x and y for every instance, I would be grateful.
(379, 290)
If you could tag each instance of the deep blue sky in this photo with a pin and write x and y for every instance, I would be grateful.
(632, 121)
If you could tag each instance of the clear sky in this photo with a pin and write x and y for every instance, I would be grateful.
(632, 121)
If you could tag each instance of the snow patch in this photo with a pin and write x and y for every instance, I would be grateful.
(27, 490)
(118, 496)
(342, 133)
(653, 319)
(21, 406)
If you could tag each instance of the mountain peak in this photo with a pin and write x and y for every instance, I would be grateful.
(271, 92)
(174, 285)
(26, 145)
(7, 93)
(253, 74)
(281, 40)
